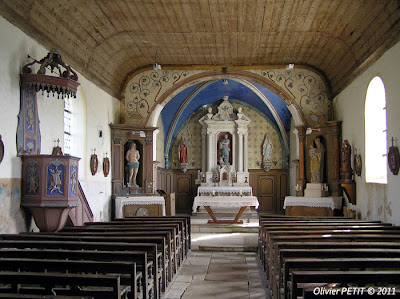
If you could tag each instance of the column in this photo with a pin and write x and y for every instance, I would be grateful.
(209, 152)
(245, 154)
(203, 151)
(240, 152)
(302, 181)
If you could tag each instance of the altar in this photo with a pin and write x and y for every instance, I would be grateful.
(241, 202)
(221, 190)
(139, 206)
(312, 206)
(224, 174)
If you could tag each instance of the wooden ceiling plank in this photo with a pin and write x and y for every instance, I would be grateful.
(301, 14)
(372, 40)
(324, 30)
(317, 28)
(335, 18)
(268, 15)
(65, 39)
(289, 34)
(134, 27)
(259, 49)
(312, 18)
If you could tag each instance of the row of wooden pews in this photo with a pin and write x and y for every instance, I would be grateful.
(309, 257)
(135, 257)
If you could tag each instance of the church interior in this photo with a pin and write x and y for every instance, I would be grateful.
(121, 117)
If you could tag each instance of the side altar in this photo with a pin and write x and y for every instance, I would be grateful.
(224, 174)
(133, 188)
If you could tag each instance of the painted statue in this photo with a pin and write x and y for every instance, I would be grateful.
(132, 156)
(317, 161)
(183, 151)
(346, 172)
(224, 149)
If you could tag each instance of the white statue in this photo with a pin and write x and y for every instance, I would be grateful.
(267, 148)
(267, 152)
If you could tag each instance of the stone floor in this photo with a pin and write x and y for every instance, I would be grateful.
(223, 263)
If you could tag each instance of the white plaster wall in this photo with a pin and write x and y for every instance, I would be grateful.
(100, 108)
(374, 201)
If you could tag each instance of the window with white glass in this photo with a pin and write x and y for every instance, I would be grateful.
(375, 133)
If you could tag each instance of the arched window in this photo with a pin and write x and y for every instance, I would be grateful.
(67, 125)
(375, 133)
(75, 128)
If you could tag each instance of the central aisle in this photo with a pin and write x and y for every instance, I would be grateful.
(220, 275)
(223, 263)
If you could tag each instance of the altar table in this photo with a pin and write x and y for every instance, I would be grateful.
(233, 190)
(312, 206)
(241, 202)
(120, 202)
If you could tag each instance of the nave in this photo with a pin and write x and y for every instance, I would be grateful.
(184, 257)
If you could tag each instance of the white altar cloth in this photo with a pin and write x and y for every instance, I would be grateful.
(225, 189)
(225, 202)
(120, 202)
(335, 203)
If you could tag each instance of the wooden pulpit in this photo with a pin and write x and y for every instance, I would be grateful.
(49, 189)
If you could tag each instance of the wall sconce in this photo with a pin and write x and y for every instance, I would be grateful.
(310, 130)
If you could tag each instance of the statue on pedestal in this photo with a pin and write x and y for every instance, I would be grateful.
(133, 156)
(346, 172)
(183, 154)
(267, 153)
(317, 161)
(224, 149)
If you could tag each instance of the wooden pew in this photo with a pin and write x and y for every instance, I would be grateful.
(295, 264)
(108, 250)
(327, 238)
(140, 225)
(362, 253)
(168, 233)
(50, 280)
(302, 227)
(271, 231)
(178, 234)
(127, 270)
(140, 237)
(141, 244)
(324, 232)
(359, 277)
(185, 219)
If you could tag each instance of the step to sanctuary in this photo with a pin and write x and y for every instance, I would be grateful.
(224, 237)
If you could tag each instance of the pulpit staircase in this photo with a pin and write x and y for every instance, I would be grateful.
(82, 213)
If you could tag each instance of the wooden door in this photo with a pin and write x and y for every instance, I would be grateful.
(266, 192)
(184, 193)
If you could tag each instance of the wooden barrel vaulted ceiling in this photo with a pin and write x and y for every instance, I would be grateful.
(106, 41)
